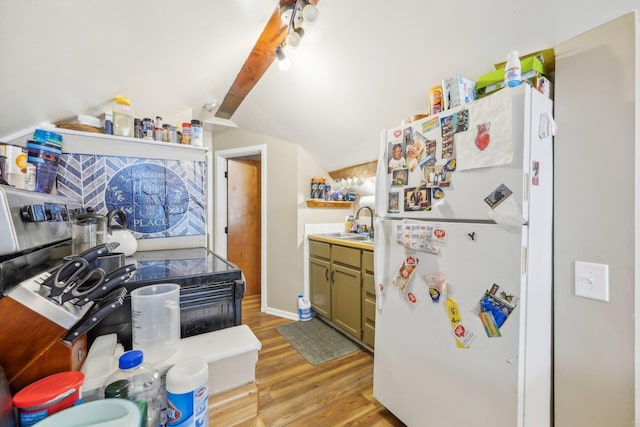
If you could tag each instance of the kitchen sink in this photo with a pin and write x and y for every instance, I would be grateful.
(348, 236)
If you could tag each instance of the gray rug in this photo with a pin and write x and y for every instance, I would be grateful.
(316, 341)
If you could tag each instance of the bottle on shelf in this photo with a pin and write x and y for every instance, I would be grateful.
(512, 71)
(122, 117)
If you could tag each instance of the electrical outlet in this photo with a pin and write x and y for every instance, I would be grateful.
(592, 280)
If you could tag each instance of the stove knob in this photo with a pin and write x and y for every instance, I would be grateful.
(33, 213)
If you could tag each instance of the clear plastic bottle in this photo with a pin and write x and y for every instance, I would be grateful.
(122, 117)
(512, 72)
(138, 382)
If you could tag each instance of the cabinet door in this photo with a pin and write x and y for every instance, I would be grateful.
(346, 299)
(368, 309)
(320, 286)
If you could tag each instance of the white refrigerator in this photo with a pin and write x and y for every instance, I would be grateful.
(463, 265)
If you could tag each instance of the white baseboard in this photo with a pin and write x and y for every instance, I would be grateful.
(282, 313)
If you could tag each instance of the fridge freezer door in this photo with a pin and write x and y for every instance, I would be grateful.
(420, 374)
(505, 119)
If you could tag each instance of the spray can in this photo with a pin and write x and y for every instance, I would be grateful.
(304, 308)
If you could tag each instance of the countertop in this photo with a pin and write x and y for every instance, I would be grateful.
(343, 241)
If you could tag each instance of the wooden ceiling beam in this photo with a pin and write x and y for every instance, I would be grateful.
(261, 57)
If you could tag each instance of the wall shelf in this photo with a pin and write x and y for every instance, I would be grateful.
(328, 203)
(79, 142)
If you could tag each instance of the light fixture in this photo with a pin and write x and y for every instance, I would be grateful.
(283, 62)
(294, 37)
(310, 14)
(293, 16)
(211, 106)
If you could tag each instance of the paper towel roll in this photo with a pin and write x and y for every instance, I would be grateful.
(368, 201)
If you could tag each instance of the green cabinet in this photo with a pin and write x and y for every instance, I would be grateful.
(320, 277)
(346, 282)
(342, 288)
(368, 300)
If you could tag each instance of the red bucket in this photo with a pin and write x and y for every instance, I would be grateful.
(47, 396)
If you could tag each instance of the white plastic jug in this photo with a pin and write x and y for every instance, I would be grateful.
(304, 308)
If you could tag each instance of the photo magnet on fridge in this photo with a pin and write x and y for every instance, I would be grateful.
(497, 196)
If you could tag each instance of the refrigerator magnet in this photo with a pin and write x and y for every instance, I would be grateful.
(535, 173)
(434, 294)
(411, 298)
(394, 202)
(497, 196)
(405, 272)
(463, 335)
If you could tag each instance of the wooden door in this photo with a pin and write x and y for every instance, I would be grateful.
(243, 219)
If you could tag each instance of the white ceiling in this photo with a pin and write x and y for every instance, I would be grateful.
(366, 64)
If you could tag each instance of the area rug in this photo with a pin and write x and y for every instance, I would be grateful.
(316, 341)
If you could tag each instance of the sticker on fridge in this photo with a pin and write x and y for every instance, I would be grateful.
(425, 237)
(489, 141)
(494, 308)
(405, 272)
(399, 177)
(394, 202)
(417, 199)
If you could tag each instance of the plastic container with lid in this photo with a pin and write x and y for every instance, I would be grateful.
(48, 396)
(138, 382)
(101, 413)
(188, 393)
(197, 136)
(122, 117)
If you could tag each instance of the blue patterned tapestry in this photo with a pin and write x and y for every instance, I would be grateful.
(161, 198)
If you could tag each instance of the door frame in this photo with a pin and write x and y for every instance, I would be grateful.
(220, 206)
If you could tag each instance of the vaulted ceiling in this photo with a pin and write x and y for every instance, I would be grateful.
(364, 66)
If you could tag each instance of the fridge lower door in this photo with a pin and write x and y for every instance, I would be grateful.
(420, 373)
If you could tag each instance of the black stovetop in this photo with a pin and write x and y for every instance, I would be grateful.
(192, 264)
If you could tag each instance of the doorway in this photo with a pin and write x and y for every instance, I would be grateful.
(243, 218)
(221, 212)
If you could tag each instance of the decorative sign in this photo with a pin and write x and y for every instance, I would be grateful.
(153, 197)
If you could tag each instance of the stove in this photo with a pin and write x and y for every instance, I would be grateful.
(211, 291)
(35, 234)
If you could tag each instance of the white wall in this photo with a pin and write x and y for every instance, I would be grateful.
(289, 172)
(596, 220)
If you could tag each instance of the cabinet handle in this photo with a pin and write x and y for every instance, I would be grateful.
(326, 274)
(333, 272)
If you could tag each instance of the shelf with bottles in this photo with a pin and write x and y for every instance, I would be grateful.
(81, 142)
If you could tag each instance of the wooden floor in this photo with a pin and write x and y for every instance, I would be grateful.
(292, 392)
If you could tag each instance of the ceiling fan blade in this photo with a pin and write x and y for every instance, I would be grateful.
(261, 57)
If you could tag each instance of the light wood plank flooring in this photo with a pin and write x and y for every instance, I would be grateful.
(292, 392)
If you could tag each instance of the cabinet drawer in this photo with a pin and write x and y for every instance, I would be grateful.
(319, 249)
(367, 260)
(369, 308)
(347, 256)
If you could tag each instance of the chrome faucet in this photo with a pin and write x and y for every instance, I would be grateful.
(370, 213)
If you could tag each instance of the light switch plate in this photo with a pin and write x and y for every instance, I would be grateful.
(592, 280)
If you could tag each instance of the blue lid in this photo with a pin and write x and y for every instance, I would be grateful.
(38, 146)
(42, 135)
(130, 359)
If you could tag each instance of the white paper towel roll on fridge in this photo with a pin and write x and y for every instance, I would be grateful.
(368, 201)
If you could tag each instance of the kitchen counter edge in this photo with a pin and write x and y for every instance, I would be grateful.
(343, 242)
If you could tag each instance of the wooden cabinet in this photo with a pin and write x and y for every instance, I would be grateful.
(346, 282)
(320, 277)
(342, 288)
(368, 300)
